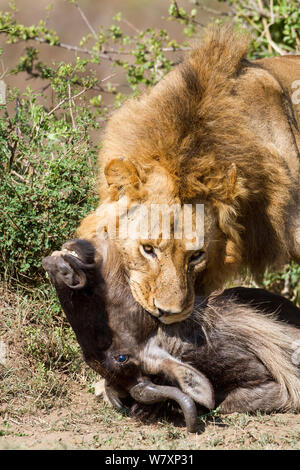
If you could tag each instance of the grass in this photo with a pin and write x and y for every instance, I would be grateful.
(43, 355)
(47, 401)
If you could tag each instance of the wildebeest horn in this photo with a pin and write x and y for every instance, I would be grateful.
(115, 396)
(78, 286)
(150, 393)
(69, 271)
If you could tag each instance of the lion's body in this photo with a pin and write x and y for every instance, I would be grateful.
(217, 130)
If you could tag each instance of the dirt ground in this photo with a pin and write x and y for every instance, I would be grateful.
(87, 423)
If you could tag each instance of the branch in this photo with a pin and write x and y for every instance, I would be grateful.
(69, 47)
(4, 71)
(260, 11)
(214, 12)
(66, 99)
(176, 49)
(271, 43)
(253, 9)
(12, 149)
(70, 106)
(105, 53)
(274, 45)
(11, 220)
(86, 21)
(19, 176)
(163, 49)
(138, 31)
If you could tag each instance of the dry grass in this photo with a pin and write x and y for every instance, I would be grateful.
(46, 399)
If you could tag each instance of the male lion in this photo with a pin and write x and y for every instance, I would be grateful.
(218, 130)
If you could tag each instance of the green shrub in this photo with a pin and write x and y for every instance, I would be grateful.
(47, 172)
(273, 24)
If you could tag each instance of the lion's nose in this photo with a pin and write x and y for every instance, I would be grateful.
(166, 311)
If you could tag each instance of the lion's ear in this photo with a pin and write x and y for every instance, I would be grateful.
(121, 173)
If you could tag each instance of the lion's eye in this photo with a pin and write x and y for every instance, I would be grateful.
(196, 257)
(148, 249)
(122, 358)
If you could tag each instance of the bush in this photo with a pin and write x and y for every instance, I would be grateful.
(273, 24)
(47, 172)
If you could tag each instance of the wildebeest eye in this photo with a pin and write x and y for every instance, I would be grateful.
(122, 358)
(196, 257)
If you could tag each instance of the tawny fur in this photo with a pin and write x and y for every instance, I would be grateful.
(217, 130)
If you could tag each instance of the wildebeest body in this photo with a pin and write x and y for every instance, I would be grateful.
(225, 352)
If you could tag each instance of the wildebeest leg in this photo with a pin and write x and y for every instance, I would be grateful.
(191, 381)
(196, 385)
(266, 397)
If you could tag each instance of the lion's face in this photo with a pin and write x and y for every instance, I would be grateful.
(163, 271)
(161, 276)
(160, 269)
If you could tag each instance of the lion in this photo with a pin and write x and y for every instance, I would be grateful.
(217, 130)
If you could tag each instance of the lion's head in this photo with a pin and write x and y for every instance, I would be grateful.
(164, 243)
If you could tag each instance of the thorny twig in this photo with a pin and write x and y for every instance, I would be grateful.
(83, 16)
(271, 43)
(67, 99)
(70, 106)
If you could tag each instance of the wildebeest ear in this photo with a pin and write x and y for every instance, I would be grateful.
(121, 172)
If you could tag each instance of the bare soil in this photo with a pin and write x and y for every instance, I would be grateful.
(87, 423)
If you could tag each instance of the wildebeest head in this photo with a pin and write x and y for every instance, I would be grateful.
(109, 326)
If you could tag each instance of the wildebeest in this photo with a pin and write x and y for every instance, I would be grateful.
(232, 351)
